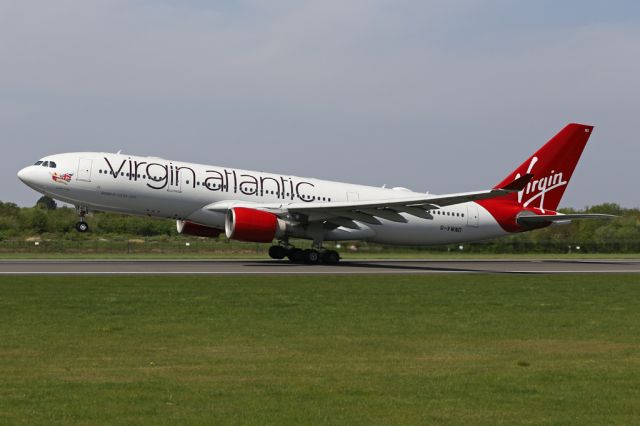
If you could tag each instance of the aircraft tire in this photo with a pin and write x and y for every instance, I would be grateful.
(330, 257)
(277, 252)
(311, 256)
(296, 255)
(82, 226)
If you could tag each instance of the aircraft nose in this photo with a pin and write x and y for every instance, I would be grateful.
(25, 175)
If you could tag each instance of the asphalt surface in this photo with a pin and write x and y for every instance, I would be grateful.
(258, 267)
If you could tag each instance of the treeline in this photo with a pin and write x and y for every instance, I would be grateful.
(621, 234)
(47, 221)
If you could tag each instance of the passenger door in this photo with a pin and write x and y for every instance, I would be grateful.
(84, 169)
(472, 215)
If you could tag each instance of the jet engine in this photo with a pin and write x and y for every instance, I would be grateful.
(245, 224)
(190, 228)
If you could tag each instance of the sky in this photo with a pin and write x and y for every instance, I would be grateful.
(438, 96)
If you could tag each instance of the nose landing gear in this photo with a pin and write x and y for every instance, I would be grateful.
(82, 226)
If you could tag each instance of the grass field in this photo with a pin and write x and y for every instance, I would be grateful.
(473, 349)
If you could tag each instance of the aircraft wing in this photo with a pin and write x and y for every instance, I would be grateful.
(345, 212)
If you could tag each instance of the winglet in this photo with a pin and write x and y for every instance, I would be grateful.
(518, 184)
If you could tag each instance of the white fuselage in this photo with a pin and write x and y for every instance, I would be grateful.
(177, 190)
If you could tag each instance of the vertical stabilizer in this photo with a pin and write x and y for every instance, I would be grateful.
(551, 167)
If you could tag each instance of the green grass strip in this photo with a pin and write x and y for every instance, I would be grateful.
(452, 349)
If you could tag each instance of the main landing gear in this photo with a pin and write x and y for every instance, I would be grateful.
(82, 226)
(308, 256)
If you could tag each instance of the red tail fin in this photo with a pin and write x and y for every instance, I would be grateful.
(552, 167)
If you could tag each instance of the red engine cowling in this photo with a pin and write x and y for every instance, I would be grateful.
(245, 224)
(190, 228)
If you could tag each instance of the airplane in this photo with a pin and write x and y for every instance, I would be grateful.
(263, 207)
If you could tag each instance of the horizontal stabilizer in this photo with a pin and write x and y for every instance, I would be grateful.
(548, 218)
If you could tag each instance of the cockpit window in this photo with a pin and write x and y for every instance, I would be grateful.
(38, 163)
(45, 164)
(52, 164)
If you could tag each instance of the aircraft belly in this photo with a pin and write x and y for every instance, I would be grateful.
(125, 198)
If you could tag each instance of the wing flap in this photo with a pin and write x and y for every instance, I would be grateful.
(413, 211)
(341, 221)
(385, 213)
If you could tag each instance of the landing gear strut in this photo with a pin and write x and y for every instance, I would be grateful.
(82, 226)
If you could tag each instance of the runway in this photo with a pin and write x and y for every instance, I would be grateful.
(271, 267)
